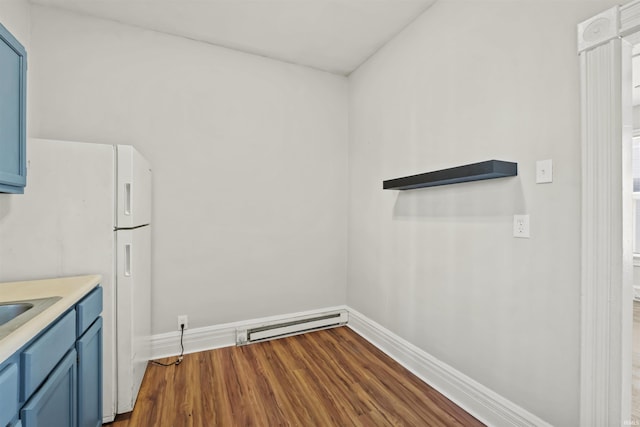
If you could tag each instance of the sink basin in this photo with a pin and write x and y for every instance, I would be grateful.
(14, 314)
(10, 311)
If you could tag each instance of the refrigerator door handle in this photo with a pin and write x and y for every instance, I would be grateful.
(127, 260)
(127, 198)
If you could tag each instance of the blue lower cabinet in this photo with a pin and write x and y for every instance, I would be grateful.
(55, 380)
(54, 405)
(89, 348)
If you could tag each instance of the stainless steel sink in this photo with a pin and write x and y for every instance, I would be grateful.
(9, 311)
(14, 314)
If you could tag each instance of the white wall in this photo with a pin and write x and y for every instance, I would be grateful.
(249, 158)
(472, 81)
(14, 15)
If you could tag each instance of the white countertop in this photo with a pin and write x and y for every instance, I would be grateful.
(69, 289)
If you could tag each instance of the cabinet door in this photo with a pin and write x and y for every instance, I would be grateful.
(89, 348)
(54, 405)
(9, 392)
(13, 69)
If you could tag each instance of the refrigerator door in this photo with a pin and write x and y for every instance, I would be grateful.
(134, 312)
(133, 206)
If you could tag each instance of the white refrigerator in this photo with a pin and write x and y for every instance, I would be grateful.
(87, 210)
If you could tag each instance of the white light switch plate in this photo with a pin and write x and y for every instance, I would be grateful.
(521, 226)
(544, 171)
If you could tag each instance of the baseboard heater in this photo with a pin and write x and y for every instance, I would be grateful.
(294, 326)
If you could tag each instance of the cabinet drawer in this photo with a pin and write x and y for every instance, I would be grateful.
(45, 353)
(9, 393)
(89, 309)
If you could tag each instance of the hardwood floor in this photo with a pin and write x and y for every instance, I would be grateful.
(326, 378)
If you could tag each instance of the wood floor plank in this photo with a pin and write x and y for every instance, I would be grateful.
(272, 399)
(328, 382)
(408, 388)
(326, 378)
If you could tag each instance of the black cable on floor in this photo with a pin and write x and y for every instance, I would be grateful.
(179, 359)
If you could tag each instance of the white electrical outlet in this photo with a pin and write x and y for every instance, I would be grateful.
(521, 226)
(183, 320)
(544, 171)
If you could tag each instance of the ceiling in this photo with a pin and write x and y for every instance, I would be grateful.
(331, 35)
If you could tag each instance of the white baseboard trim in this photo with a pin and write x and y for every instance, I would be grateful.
(217, 336)
(481, 402)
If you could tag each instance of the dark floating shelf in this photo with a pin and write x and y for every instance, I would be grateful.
(473, 172)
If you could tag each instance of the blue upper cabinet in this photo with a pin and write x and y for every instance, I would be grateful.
(13, 129)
